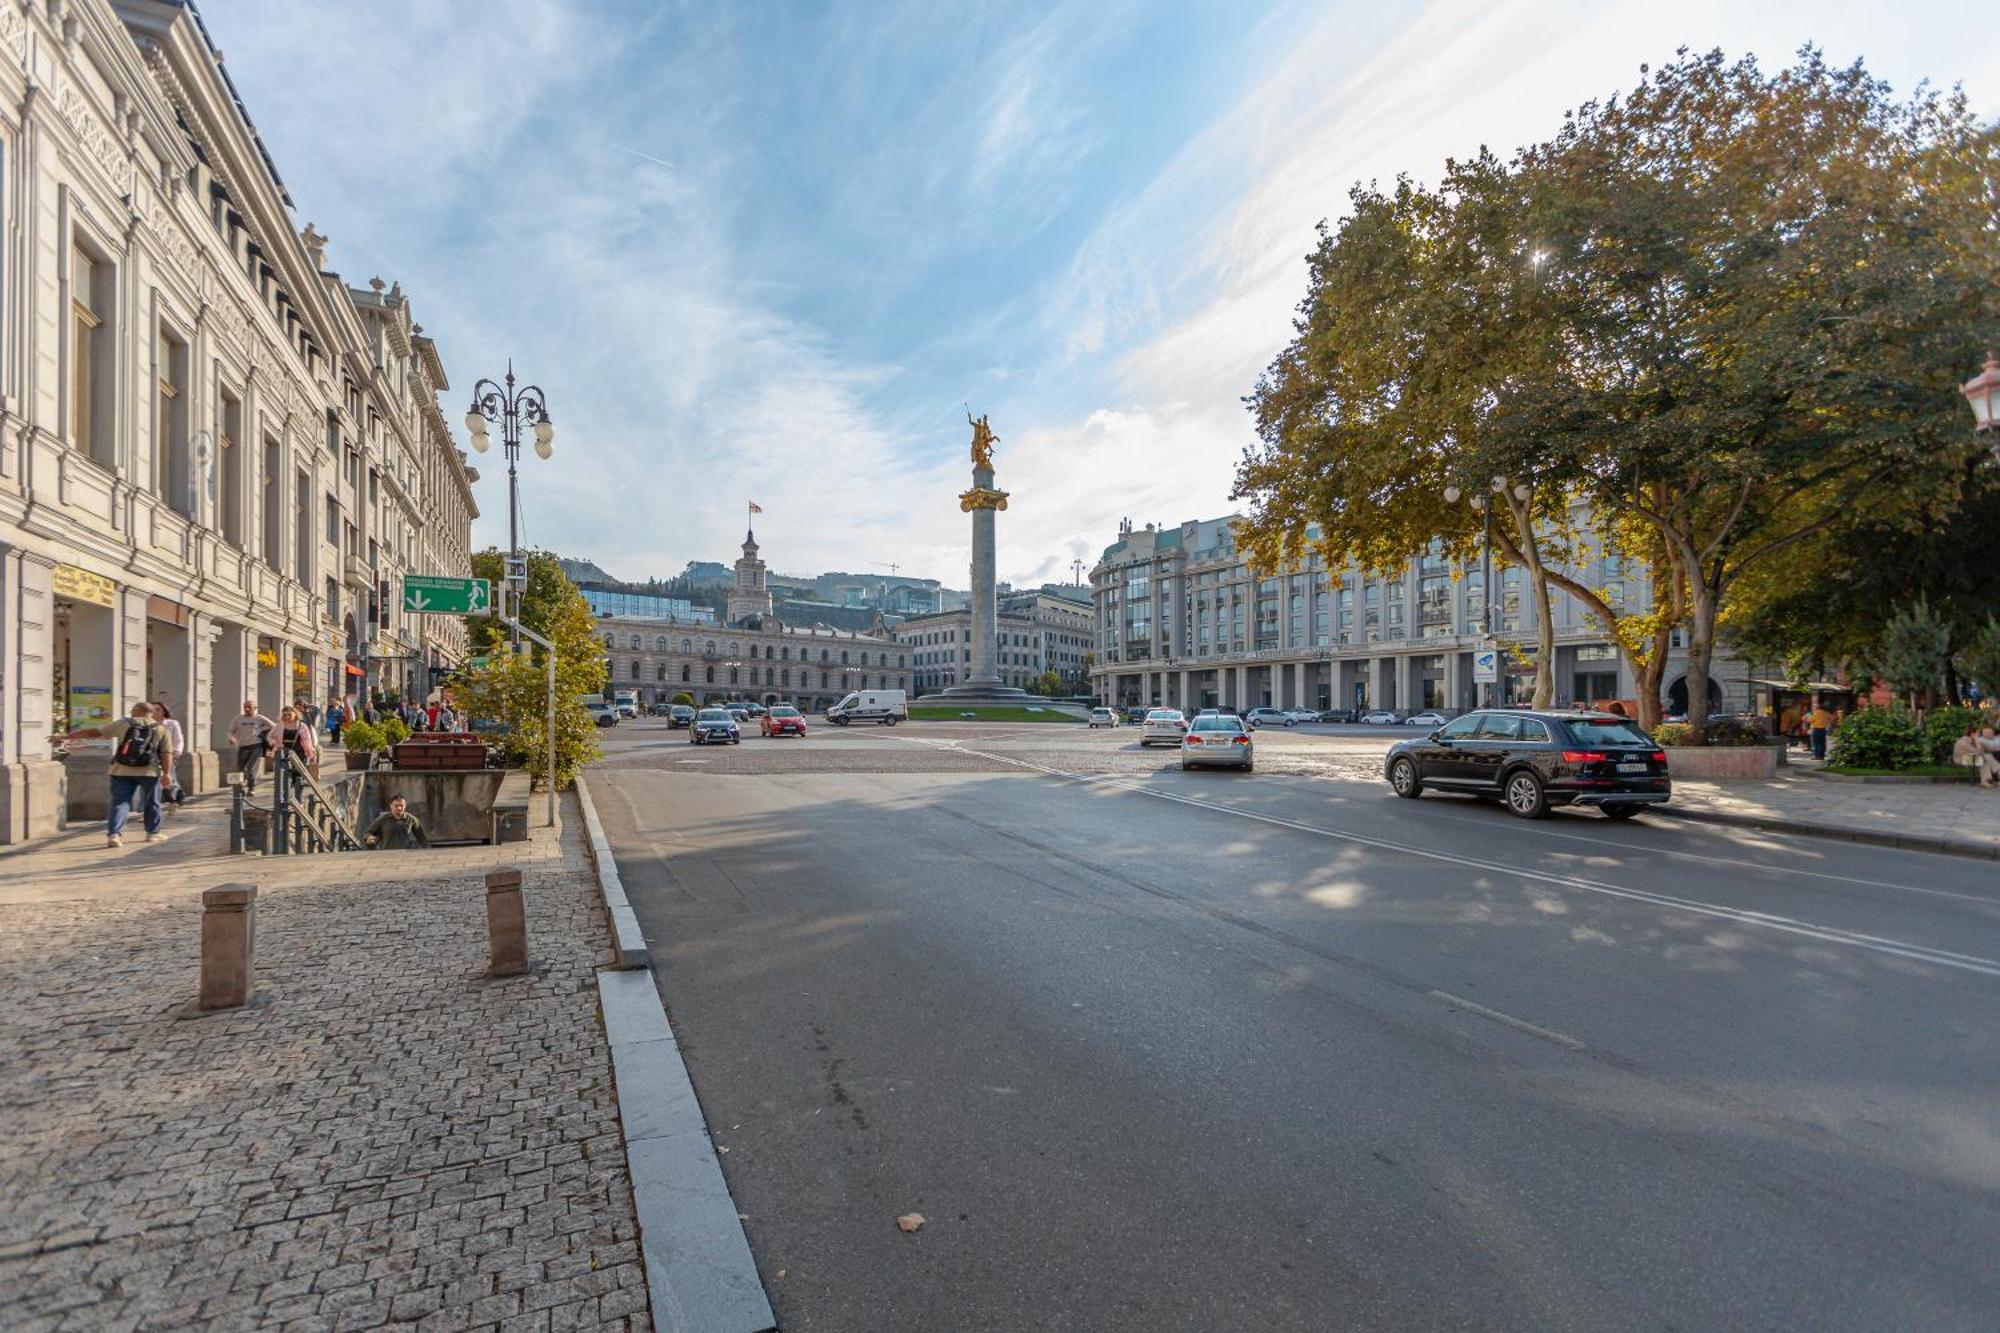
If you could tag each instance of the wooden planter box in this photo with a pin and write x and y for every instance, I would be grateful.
(360, 760)
(441, 753)
(1722, 762)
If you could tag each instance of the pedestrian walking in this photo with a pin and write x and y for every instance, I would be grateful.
(447, 720)
(293, 734)
(396, 829)
(1818, 722)
(336, 718)
(171, 795)
(250, 733)
(139, 754)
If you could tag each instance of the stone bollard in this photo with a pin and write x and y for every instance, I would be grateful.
(228, 945)
(506, 923)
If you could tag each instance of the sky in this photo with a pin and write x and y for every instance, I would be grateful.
(773, 251)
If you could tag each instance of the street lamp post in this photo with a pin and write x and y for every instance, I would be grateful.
(1484, 507)
(508, 407)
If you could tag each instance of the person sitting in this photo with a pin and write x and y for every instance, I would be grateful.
(1970, 751)
(396, 829)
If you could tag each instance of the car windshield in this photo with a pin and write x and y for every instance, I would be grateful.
(1163, 715)
(1217, 724)
(715, 715)
(784, 712)
(1607, 731)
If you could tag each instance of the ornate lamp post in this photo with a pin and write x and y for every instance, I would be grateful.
(508, 408)
(1982, 391)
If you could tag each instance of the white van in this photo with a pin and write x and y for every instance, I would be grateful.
(884, 707)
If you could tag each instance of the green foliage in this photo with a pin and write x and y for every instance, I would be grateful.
(362, 737)
(1048, 685)
(1913, 650)
(1943, 727)
(395, 731)
(512, 689)
(1731, 732)
(1980, 657)
(1879, 738)
(683, 698)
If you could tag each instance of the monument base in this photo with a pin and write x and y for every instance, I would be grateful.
(976, 693)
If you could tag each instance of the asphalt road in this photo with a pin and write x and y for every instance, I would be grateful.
(1153, 1050)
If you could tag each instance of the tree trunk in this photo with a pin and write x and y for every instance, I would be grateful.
(1701, 658)
(1545, 642)
(1647, 677)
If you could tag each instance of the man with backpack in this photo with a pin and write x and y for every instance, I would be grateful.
(250, 733)
(140, 753)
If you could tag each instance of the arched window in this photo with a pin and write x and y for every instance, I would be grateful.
(767, 676)
(635, 643)
(711, 675)
(732, 675)
(864, 659)
(709, 647)
(635, 668)
(822, 657)
(611, 641)
(785, 653)
(687, 673)
(660, 643)
(661, 674)
(687, 645)
(785, 677)
(843, 657)
(735, 648)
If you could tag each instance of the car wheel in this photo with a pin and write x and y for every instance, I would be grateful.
(1185, 765)
(1403, 777)
(736, 740)
(1250, 768)
(1525, 796)
(1621, 813)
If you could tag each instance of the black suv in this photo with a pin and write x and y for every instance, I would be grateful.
(1534, 761)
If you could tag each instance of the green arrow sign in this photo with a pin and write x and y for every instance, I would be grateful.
(431, 595)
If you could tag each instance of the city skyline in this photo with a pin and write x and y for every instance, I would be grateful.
(778, 260)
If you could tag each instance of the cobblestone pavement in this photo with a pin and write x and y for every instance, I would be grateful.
(385, 1138)
(1960, 813)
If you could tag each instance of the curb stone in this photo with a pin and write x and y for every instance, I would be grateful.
(700, 1274)
(1837, 832)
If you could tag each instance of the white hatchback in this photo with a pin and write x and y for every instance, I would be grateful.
(1102, 717)
(1164, 726)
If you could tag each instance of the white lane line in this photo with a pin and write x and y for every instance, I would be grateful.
(1562, 1039)
(1828, 934)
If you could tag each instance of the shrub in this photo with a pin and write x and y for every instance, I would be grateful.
(683, 698)
(1884, 738)
(1672, 733)
(395, 731)
(1943, 726)
(363, 737)
(1727, 732)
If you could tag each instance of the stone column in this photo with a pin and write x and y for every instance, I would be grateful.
(985, 621)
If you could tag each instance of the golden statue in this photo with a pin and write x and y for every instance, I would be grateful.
(983, 440)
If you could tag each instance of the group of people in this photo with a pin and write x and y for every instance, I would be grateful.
(437, 715)
(1979, 748)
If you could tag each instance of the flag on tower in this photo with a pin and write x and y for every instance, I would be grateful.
(756, 508)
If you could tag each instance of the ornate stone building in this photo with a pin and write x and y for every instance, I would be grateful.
(216, 458)
(1036, 632)
(756, 656)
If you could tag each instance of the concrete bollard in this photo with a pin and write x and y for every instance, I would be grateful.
(228, 945)
(506, 923)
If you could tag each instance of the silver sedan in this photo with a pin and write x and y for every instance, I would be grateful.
(1219, 742)
(1164, 726)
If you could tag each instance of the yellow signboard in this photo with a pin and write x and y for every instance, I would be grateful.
(80, 585)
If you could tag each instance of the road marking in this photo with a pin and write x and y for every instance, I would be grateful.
(1562, 1039)
(1785, 925)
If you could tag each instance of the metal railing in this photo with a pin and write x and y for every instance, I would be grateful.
(303, 817)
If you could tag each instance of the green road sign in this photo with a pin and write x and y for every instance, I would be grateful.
(426, 593)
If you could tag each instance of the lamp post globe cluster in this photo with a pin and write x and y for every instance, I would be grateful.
(509, 408)
(1982, 391)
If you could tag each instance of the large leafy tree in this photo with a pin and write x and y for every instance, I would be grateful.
(513, 689)
(1768, 285)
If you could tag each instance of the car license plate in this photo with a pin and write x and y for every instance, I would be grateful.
(1632, 768)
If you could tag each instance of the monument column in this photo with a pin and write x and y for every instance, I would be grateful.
(982, 682)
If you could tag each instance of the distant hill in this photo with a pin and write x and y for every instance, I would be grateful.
(584, 571)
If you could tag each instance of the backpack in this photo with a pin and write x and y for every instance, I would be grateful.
(136, 746)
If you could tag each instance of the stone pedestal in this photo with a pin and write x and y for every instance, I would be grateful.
(982, 683)
(228, 945)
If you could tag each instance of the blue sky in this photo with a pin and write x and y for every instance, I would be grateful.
(769, 250)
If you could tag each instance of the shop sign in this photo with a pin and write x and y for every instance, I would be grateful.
(301, 670)
(80, 585)
(159, 608)
(1485, 666)
(267, 657)
(89, 706)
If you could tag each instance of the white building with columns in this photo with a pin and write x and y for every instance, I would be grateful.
(216, 458)
(1184, 623)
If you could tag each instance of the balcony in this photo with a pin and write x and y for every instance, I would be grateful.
(357, 574)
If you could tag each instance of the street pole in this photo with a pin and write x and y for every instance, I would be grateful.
(1486, 608)
(549, 751)
(507, 407)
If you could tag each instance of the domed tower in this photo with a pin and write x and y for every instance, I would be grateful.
(751, 594)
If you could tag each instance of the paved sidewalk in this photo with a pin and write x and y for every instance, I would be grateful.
(1962, 818)
(387, 1137)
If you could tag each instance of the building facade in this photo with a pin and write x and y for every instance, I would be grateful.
(216, 457)
(1038, 632)
(1183, 622)
(756, 656)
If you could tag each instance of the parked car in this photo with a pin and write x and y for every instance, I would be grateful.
(1103, 717)
(1163, 725)
(884, 707)
(715, 724)
(679, 715)
(783, 720)
(603, 714)
(1382, 717)
(1340, 715)
(755, 710)
(739, 712)
(1267, 717)
(1430, 717)
(1302, 714)
(1218, 741)
(1534, 761)
(1136, 713)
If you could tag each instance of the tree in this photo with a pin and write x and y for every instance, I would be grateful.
(683, 698)
(512, 689)
(1981, 658)
(1768, 283)
(1913, 652)
(1048, 685)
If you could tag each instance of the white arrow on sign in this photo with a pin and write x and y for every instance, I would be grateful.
(416, 601)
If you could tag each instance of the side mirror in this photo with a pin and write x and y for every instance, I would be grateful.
(1439, 736)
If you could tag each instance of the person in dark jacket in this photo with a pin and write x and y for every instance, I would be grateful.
(396, 829)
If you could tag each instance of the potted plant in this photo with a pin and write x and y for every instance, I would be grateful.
(363, 741)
